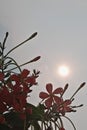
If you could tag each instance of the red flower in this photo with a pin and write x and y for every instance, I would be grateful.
(24, 78)
(5, 99)
(65, 107)
(19, 102)
(51, 97)
(18, 78)
(31, 80)
(14, 94)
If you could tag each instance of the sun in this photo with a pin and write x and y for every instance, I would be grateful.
(63, 70)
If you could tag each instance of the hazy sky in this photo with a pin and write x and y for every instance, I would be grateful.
(62, 39)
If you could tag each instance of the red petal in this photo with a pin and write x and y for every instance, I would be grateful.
(48, 102)
(1, 76)
(67, 102)
(43, 95)
(57, 99)
(17, 89)
(16, 106)
(5, 91)
(26, 89)
(25, 73)
(67, 109)
(31, 80)
(49, 87)
(58, 91)
(15, 78)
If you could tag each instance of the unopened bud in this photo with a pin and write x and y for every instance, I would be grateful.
(81, 85)
(66, 86)
(33, 35)
(7, 34)
(35, 59)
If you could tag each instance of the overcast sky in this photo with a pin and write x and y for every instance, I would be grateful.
(61, 39)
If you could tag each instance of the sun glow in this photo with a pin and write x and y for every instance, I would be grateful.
(63, 70)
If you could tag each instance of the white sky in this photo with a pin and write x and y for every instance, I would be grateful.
(62, 39)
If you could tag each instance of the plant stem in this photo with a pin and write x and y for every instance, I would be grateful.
(77, 90)
(32, 36)
(70, 122)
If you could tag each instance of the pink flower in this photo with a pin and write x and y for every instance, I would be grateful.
(24, 78)
(65, 107)
(51, 96)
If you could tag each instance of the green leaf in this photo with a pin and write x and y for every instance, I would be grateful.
(12, 118)
(36, 125)
(37, 112)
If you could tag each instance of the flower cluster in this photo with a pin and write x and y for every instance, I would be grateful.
(13, 94)
(56, 106)
(15, 86)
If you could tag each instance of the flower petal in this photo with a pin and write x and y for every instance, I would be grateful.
(57, 99)
(15, 77)
(67, 102)
(1, 76)
(43, 95)
(49, 87)
(58, 91)
(67, 109)
(25, 73)
(48, 102)
(31, 80)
